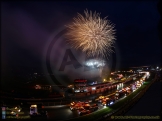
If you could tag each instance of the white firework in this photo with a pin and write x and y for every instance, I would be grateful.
(92, 34)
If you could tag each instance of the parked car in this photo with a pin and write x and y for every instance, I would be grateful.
(92, 109)
(84, 112)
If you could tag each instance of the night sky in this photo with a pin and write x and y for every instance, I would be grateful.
(27, 26)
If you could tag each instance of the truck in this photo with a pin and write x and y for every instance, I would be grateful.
(33, 110)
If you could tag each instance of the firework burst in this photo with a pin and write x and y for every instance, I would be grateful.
(91, 34)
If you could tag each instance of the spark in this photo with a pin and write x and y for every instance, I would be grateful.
(92, 34)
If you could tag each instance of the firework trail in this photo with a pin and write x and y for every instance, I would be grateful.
(91, 34)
